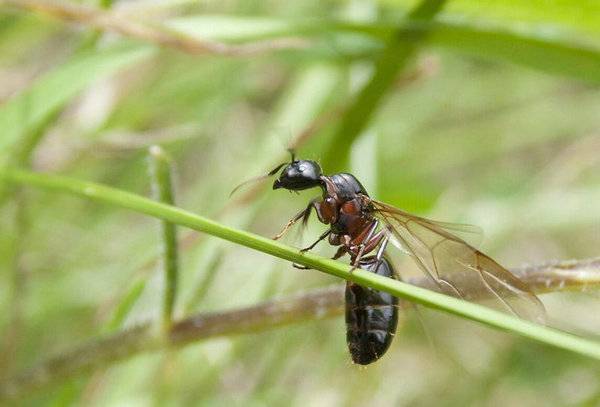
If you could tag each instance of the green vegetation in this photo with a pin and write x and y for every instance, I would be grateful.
(484, 113)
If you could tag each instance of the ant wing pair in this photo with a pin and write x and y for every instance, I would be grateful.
(454, 266)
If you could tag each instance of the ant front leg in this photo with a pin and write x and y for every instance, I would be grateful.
(300, 266)
(323, 236)
(340, 252)
(303, 214)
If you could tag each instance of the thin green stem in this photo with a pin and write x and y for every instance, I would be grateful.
(474, 312)
(162, 185)
(203, 286)
(125, 305)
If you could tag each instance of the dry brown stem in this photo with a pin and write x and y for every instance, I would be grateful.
(314, 304)
(112, 22)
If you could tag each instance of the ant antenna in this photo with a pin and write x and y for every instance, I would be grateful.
(259, 178)
(274, 171)
(292, 152)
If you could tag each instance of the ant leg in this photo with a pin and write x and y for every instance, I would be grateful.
(381, 249)
(305, 218)
(362, 246)
(307, 213)
(304, 213)
(340, 252)
(323, 236)
(368, 247)
(383, 244)
(300, 266)
(289, 224)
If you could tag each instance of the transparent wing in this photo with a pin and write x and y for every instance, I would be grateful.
(456, 267)
(471, 234)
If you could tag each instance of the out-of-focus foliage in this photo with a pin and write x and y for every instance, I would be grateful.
(500, 130)
(543, 15)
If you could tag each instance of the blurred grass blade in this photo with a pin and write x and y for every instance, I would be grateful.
(31, 108)
(581, 15)
(548, 55)
(388, 64)
(554, 54)
(235, 28)
(206, 280)
(125, 306)
(474, 312)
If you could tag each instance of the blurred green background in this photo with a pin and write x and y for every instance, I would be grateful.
(493, 121)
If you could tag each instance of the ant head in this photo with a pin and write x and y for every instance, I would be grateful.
(299, 175)
(296, 175)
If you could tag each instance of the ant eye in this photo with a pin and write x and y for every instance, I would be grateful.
(330, 200)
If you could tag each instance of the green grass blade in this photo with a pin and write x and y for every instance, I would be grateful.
(474, 312)
(388, 64)
(581, 15)
(125, 306)
(553, 54)
(31, 108)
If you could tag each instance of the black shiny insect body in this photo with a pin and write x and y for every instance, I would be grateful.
(360, 225)
(344, 206)
(371, 315)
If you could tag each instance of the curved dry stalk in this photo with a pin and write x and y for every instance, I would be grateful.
(112, 22)
(566, 275)
(310, 305)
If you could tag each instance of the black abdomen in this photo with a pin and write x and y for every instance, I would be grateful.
(371, 316)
